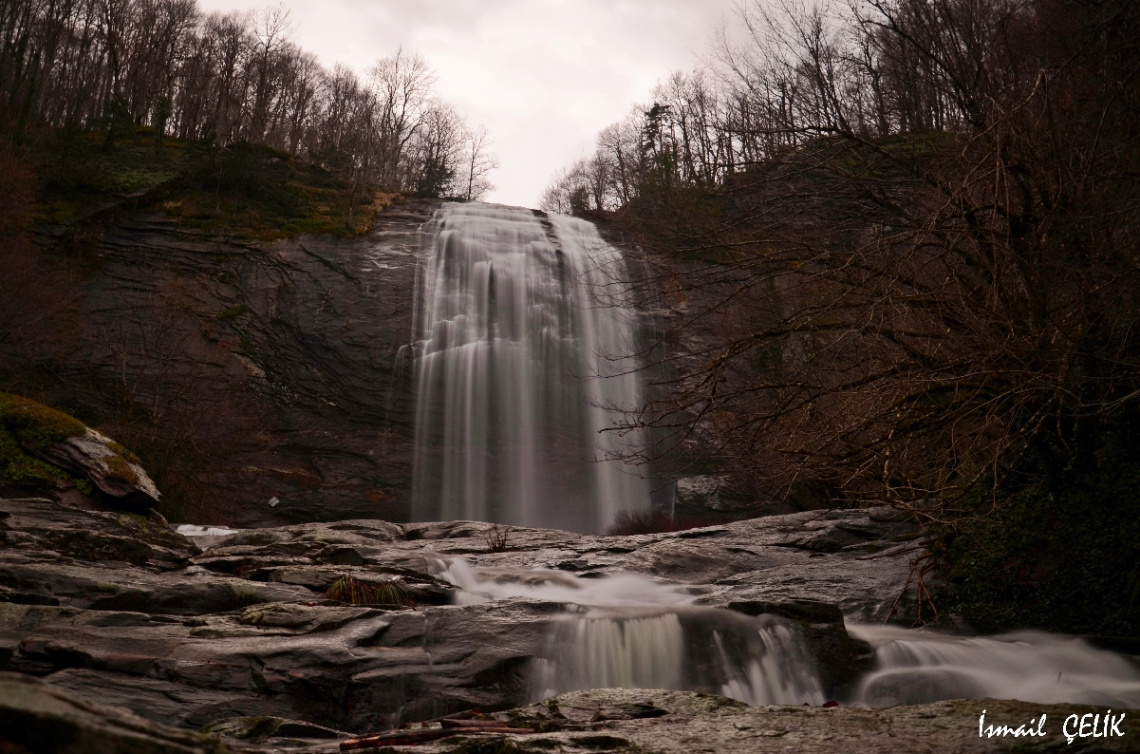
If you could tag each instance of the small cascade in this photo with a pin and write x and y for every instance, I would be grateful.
(479, 585)
(916, 667)
(692, 649)
(521, 363)
(629, 631)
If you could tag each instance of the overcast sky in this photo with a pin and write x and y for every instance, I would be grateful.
(544, 76)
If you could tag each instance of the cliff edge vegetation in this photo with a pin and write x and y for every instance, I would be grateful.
(897, 250)
(244, 191)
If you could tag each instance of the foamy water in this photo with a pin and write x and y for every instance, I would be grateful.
(631, 631)
(206, 536)
(915, 667)
(479, 585)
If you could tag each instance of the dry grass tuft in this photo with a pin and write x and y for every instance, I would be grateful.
(356, 592)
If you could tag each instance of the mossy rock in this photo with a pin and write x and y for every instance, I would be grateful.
(26, 425)
(20, 471)
(39, 446)
(34, 425)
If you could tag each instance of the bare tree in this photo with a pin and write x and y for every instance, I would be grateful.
(119, 64)
(402, 86)
(920, 278)
(478, 164)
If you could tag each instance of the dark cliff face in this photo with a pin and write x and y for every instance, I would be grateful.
(263, 382)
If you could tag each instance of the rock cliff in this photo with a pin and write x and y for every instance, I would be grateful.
(260, 382)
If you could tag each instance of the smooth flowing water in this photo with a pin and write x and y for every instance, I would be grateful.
(915, 667)
(630, 631)
(522, 363)
(627, 630)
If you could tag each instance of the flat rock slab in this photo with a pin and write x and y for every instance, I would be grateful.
(615, 720)
(38, 717)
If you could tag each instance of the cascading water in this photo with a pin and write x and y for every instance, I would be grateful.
(753, 660)
(626, 630)
(629, 631)
(915, 667)
(522, 361)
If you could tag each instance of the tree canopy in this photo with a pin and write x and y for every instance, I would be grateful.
(916, 225)
(113, 65)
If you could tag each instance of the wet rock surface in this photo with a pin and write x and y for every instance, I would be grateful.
(121, 608)
(40, 717)
(36, 716)
(116, 609)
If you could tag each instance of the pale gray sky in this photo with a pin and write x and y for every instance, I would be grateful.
(544, 76)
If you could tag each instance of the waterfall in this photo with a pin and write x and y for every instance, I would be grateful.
(522, 360)
(692, 649)
(627, 630)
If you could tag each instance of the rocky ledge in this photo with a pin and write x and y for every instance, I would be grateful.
(244, 639)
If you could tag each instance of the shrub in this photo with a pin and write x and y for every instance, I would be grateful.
(1061, 556)
(628, 523)
(357, 592)
(496, 538)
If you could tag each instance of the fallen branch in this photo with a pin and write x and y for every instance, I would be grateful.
(919, 568)
(427, 735)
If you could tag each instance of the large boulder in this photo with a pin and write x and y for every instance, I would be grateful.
(54, 437)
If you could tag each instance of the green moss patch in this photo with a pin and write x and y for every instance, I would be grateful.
(120, 470)
(124, 452)
(35, 425)
(245, 191)
(24, 425)
(21, 471)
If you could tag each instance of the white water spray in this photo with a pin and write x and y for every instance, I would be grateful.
(752, 660)
(627, 630)
(521, 365)
(630, 631)
(916, 667)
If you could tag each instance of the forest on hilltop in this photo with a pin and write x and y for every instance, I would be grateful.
(912, 228)
(115, 65)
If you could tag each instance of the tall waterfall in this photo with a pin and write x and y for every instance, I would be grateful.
(522, 361)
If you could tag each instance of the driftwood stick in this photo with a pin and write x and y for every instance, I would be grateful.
(450, 722)
(426, 735)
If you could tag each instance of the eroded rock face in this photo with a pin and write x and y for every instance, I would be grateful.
(271, 372)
